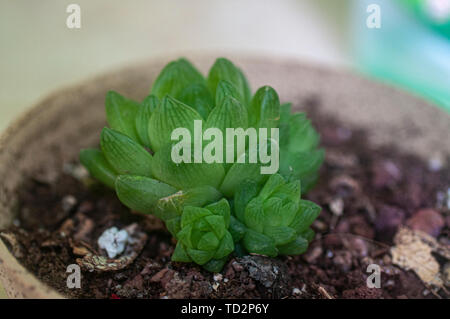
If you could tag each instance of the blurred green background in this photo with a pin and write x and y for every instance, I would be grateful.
(39, 54)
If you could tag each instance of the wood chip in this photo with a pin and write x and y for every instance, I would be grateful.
(324, 293)
(99, 263)
(10, 239)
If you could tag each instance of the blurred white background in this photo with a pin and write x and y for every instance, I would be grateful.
(39, 54)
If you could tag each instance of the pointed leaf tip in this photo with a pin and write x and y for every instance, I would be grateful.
(98, 167)
(125, 155)
(121, 113)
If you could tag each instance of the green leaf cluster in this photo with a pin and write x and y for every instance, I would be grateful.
(204, 237)
(134, 158)
(273, 220)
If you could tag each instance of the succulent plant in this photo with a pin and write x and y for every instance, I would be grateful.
(273, 220)
(204, 237)
(135, 156)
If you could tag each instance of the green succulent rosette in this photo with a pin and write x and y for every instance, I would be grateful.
(135, 151)
(273, 220)
(204, 237)
(181, 95)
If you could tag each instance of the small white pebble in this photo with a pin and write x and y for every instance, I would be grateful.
(337, 206)
(225, 280)
(217, 277)
(113, 241)
(68, 202)
(435, 163)
(296, 291)
(78, 171)
(215, 286)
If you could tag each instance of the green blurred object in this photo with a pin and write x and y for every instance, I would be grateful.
(411, 49)
(433, 13)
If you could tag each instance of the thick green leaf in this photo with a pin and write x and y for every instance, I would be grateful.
(238, 173)
(200, 256)
(141, 193)
(173, 224)
(307, 213)
(180, 254)
(176, 76)
(302, 135)
(283, 125)
(230, 114)
(299, 156)
(273, 184)
(258, 243)
(199, 98)
(221, 208)
(224, 69)
(185, 175)
(217, 225)
(208, 241)
(289, 192)
(281, 235)
(302, 165)
(98, 167)
(295, 247)
(191, 214)
(244, 193)
(143, 119)
(305, 162)
(265, 108)
(308, 234)
(285, 113)
(185, 236)
(254, 215)
(226, 246)
(224, 89)
(215, 265)
(169, 115)
(289, 211)
(121, 113)
(273, 211)
(125, 155)
(151, 102)
(237, 229)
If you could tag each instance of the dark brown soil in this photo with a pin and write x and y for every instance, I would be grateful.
(366, 194)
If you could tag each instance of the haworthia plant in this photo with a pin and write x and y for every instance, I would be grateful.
(204, 237)
(193, 198)
(275, 221)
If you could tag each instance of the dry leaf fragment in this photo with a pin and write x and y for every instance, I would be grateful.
(413, 252)
(94, 262)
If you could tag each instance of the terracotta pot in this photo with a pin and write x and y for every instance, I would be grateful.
(54, 131)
